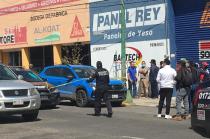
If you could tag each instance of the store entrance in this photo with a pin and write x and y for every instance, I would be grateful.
(41, 57)
(15, 58)
(76, 54)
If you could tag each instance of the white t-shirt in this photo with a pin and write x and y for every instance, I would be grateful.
(166, 77)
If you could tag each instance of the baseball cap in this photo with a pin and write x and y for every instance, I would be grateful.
(153, 61)
(205, 64)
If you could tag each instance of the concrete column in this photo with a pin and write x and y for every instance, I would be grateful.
(57, 54)
(1, 57)
(5, 58)
(25, 57)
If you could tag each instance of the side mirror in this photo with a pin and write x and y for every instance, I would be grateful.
(20, 77)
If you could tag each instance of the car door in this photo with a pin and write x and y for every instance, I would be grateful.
(54, 76)
(68, 78)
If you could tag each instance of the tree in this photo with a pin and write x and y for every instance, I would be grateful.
(72, 54)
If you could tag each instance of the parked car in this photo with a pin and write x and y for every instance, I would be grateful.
(200, 116)
(72, 83)
(49, 95)
(17, 96)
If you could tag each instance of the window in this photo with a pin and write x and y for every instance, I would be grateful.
(66, 72)
(52, 72)
(59, 72)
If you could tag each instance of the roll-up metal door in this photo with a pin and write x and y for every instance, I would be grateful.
(192, 29)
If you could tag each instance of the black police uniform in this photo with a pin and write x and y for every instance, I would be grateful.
(102, 85)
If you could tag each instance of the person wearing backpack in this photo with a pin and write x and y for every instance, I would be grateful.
(183, 88)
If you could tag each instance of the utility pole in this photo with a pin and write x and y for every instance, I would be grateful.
(123, 37)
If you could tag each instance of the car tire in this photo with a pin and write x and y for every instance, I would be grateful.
(81, 98)
(30, 116)
(117, 104)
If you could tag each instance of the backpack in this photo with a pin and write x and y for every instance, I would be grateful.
(187, 79)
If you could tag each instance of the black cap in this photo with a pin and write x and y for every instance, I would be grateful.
(153, 61)
(99, 64)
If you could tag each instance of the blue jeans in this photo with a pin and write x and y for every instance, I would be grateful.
(182, 95)
(132, 88)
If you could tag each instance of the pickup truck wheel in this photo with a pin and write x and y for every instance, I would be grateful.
(30, 116)
(81, 98)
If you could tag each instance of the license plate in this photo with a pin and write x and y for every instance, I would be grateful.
(114, 96)
(40, 87)
(18, 102)
(44, 97)
(201, 115)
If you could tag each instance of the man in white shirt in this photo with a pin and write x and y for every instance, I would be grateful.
(165, 78)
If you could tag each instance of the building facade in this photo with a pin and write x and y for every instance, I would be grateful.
(44, 32)
(149, 32)
(192, 23)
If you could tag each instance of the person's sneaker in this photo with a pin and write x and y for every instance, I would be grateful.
(159, 116)
(178, 118)
(109, 115)
(168, 117)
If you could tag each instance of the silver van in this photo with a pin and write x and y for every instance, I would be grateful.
(17, 96)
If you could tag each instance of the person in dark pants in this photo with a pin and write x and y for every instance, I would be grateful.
(102, 85)
(165, 78)
(152, 78)
(195, 81)
(132, 79)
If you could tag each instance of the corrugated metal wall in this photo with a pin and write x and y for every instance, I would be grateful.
(188, 29)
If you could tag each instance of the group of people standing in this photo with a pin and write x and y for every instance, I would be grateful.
(143, 78)
(162, 81)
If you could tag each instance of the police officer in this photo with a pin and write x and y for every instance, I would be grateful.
(102, 84)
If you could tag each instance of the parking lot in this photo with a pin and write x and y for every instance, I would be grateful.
(70, 122)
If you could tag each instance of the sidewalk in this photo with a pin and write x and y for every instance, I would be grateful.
(151, 102)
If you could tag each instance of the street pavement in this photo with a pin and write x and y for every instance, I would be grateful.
(151, 102)
(70, 122)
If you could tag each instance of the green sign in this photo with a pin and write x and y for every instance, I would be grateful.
(55, 36)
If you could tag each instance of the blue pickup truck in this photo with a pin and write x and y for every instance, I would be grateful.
(72, 83)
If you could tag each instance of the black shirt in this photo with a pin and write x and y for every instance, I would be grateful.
(102, 77)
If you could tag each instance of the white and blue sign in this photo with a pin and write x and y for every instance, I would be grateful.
(148, 32)
(144, 21)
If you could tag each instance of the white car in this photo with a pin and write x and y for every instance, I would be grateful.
(17, 96)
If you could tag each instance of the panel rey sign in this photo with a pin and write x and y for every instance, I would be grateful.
(145, 33)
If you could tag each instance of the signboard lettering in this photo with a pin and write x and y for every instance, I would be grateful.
(135, 17)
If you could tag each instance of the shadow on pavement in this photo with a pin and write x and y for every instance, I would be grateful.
(14, 119)
(90, 105)
(92, 114)
(48, 108)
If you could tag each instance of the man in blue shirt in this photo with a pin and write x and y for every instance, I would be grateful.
(132, 78)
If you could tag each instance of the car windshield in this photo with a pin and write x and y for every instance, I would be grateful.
(28, 76)
(6, 73)
(84, 72)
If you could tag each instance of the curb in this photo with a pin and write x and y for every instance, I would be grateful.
(128, 104)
